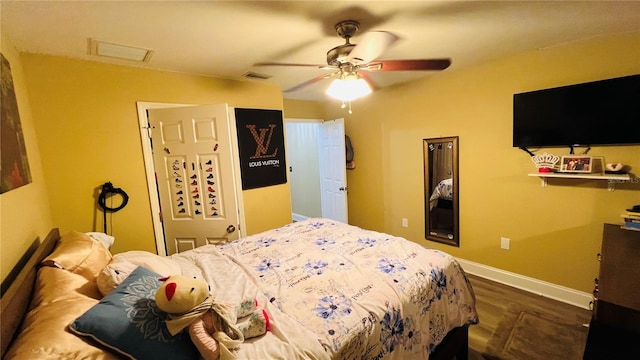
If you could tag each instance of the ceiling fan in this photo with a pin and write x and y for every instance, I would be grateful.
(354, 60)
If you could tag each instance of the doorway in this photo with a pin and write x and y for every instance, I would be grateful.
(304, 167)
(317, 171)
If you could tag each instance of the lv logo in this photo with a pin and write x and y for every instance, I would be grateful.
(262, 138)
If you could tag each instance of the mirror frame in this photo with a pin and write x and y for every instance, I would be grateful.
(452, 239)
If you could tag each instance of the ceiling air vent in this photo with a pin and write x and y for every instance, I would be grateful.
(101, 48)
(255, 75)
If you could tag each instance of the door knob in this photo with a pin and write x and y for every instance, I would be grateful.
(231, 229)
(343, 188)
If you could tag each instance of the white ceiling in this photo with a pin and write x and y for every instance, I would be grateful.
(225, 38)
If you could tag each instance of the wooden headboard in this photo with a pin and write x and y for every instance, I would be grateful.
(15, 300)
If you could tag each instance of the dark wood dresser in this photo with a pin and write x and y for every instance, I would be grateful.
(614, 331)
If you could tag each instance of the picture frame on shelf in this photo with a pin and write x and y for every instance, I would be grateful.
(598, 166)
(576, 164)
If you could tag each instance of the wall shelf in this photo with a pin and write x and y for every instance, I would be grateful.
(611, 179)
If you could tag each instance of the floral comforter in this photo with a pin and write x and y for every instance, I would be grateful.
(336, 291)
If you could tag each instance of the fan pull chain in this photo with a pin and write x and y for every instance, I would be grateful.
(344, 105)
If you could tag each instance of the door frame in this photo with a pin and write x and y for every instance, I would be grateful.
(152, 185)
(319, 123)
(316, 123)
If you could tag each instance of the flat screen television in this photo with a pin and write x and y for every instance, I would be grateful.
(605, 112)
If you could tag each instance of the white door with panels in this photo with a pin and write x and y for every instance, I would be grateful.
(333, 173)
(194, 169)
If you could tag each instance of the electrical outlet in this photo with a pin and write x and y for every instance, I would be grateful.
(505, 243)
(405, 222)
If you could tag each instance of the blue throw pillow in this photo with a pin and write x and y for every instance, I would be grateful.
(129, 322)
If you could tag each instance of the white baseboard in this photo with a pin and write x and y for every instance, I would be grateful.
(298, 217)
(535, 286)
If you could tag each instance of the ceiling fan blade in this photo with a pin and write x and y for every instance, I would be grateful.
(288, 64)
(367, 78)
(403, 65)
(370, 46)
(309, 82)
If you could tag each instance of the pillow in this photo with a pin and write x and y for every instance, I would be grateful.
(129, 322)
(105, 239)
(53, 285)
(113, 275)
(59, 297)
(124, 263)
(80, 254)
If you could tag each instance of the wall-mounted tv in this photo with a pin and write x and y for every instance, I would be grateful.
(605, 112)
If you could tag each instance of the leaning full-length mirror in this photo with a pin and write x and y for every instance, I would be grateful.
(441, 190)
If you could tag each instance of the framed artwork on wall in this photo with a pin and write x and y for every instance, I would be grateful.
(14, 165)
(261, 147)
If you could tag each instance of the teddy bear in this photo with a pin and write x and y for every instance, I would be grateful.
(216, 328)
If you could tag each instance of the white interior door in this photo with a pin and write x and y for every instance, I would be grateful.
(194, 169)
(333, 171)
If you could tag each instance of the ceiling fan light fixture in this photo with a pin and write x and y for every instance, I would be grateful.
(349, 88)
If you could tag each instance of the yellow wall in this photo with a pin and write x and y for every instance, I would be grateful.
(267, 209)
(24, 212)
(299, 109)
(555, 231)
(86, 122)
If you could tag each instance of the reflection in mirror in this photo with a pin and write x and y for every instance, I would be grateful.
(441, 190)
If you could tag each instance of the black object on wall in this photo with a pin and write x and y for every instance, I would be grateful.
(605, 112)
(107, 192)
(261, 147)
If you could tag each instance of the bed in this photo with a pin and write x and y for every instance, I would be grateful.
(442, 195)
(441, 208)
(332, 291)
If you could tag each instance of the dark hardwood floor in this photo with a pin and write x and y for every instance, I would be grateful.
(493, 298)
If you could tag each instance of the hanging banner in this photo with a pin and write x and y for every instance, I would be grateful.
(261, 146)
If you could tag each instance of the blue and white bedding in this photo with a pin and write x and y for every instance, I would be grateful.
(336, 291)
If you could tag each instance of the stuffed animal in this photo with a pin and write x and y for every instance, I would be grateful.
(215, 328)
